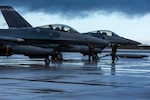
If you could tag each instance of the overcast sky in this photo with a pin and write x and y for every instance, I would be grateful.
(127, 18)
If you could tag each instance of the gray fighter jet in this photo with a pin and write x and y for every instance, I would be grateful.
(18, 21)
(41, 42)
(112, 37)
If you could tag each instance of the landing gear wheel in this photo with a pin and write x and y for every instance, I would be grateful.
(59, 56)
(47, 61)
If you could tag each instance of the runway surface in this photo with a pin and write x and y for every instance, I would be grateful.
(75, 78)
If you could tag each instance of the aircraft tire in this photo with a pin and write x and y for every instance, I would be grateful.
(59, 56)
(47, 61)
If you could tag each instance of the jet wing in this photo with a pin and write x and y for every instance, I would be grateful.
(11, 39)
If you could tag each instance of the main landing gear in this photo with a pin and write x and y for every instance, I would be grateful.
(55, 56)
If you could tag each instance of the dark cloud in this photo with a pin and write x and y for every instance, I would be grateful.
(71, 8)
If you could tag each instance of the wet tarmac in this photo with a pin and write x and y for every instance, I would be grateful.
(75, 78)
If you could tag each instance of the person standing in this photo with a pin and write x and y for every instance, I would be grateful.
(113, 53)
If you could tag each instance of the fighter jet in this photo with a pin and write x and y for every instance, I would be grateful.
(112, 37)
(18, 21)
(41, 42)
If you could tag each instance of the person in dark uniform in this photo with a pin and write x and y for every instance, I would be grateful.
(91, 51)
(113, 53)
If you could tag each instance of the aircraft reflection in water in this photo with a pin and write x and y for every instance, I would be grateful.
(38, 42)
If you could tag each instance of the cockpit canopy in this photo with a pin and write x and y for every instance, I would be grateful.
(60, 27)
(104, 33)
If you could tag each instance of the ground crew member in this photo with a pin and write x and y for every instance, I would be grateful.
(91, 51)
(113, 53)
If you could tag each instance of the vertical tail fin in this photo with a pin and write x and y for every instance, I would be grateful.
(13, 18)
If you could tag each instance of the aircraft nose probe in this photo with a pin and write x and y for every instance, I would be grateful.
(132, 42)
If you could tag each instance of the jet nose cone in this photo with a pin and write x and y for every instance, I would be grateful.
(131, 42)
